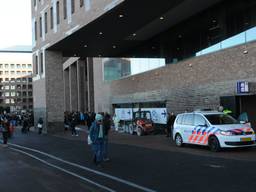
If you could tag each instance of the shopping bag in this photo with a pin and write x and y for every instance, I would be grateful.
(89, 141)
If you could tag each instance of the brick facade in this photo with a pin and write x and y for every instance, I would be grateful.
(194, 83)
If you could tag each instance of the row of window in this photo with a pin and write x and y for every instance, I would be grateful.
(16, 73)
(52, 16)
(12, 101)
(13, 80)
(13, 66)
(12, 87)
(18, 94)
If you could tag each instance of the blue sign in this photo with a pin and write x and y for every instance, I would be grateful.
(242, 87)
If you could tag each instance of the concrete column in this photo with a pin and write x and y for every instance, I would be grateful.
(81, 84)
(90, 84)
(54, 118)
(73, 87)
(86, 106)
(66, 89)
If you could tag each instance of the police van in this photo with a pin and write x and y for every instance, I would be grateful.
(212, 128)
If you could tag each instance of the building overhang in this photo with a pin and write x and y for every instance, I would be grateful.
(128, 26)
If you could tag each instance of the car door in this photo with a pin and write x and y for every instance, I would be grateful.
(200, 130)
(188, 126)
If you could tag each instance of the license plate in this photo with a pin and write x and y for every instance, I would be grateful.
(246, 139)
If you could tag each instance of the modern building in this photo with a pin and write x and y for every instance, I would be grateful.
(16, 89)
(209, 48)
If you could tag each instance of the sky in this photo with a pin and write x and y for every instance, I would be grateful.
(15, 23)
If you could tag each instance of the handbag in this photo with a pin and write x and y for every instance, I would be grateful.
(89, 141)
(39, 125)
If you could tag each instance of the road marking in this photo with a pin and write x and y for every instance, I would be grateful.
(216, 166)
(88, 169)
(64, 170)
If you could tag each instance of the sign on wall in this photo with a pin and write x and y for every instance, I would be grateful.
(242, 87)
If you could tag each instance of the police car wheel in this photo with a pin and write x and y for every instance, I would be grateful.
(214, 144)
(178, 140)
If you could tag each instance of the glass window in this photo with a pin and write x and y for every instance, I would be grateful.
(30, 93)
(51, 15)
(72, 6)
(13, 80)
(219, 119)
(6, 72)
(6, 65)
(41, 62)
(7, 101)
(12, 72)
(12, 94)
(24, 93)
(18, 72)
(58, 12)
(12, 66)
(188, 119)
(24, 66)
(6, 87)
(81, 3)
(29, 66)
(1, 66)
(18, 79)
(45, 22)
(40, 26)
(199, 120)
(12, 101)
(1, 72)
(35, 24)
(7, 94)
(18, 86)
(65, 9)
(24, 86)
(12, 87)
(179, 119)
(6, 79)
(18, 66)
(30, 79)
(24, 79)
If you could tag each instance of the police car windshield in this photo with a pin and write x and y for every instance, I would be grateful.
(220, 119)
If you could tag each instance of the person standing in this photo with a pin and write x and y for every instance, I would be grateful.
(170, 122)
(40, 125)
(5, 130)
(97, 137)
(106, 128)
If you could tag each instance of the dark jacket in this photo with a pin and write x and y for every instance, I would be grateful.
(94, 132)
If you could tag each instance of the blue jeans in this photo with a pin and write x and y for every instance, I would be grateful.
(97, 148)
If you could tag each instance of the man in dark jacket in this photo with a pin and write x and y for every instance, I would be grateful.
(106, 128)
(170, 122)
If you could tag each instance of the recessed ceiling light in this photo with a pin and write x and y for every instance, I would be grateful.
(134, 34)
(74, 55)
(99, 55)
(100, 33)
(161, 18)
(121, 16)
(180, 36)
(85, 46)
(114, 46)
(214, 21)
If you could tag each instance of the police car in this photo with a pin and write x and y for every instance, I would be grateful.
(211, 128)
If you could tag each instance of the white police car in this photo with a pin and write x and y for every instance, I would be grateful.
(211, 128)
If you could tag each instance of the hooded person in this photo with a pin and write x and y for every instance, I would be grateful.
(97, 138)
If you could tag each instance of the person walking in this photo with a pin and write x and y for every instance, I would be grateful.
(170, 122)
(5, 130)
(97, 137)
(40, 125)
(106, 128)
(73, 124)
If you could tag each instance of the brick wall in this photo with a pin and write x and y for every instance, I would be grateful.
(193, 83)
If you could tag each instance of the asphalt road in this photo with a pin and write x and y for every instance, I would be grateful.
(66, 165)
